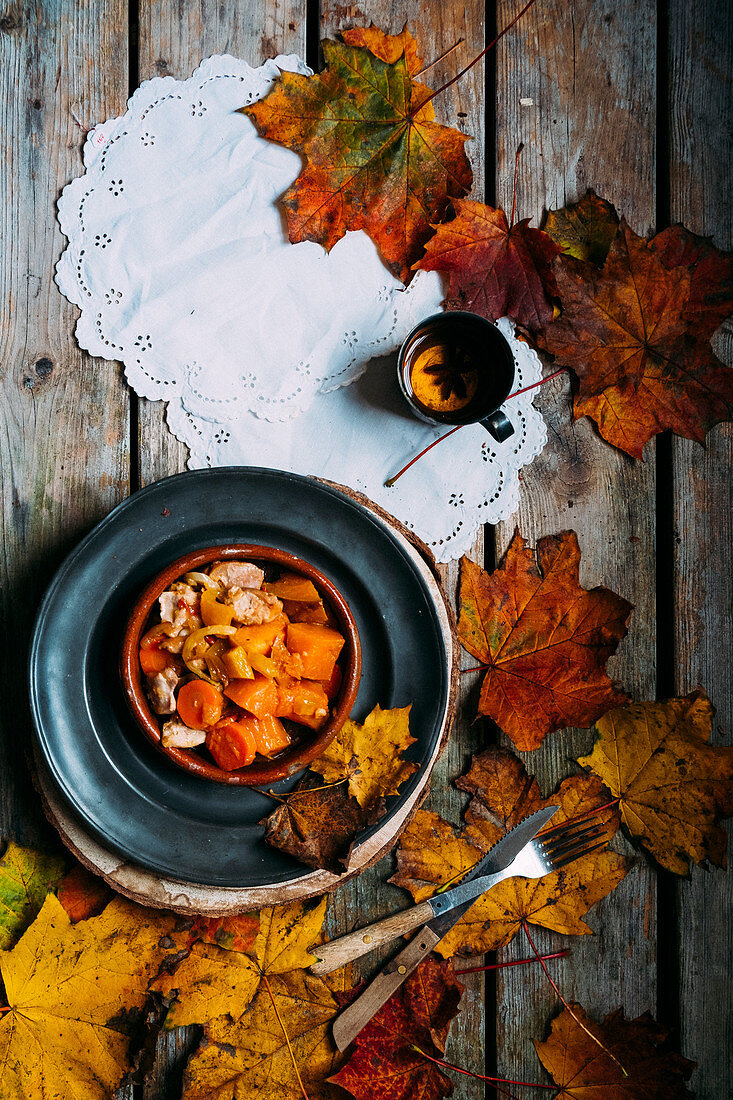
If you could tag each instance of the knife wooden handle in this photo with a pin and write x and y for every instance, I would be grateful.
(355, 944)
(349, 1023)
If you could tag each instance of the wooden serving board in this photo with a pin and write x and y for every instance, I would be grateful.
(148, 888)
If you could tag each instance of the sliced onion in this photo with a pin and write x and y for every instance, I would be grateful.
(200, 578)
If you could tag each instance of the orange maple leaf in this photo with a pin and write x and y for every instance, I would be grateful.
(544, 638)
(375, 158)
(636, 332)
(494, 269)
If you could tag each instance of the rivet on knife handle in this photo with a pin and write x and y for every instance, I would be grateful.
(338, 952)
(349, 1023)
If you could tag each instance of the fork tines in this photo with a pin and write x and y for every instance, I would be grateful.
(564, 846)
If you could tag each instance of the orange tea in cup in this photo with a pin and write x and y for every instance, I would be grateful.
(457, 368)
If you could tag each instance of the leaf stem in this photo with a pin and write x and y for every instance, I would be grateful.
(475, 61)
(391, 480)
(442, 57)
(513, 962)
(578, 1021)
(287, 1037)
(478, 1076)
(307, 790)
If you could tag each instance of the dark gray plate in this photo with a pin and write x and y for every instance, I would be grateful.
(129, 795)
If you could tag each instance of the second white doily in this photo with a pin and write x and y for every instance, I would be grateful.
(180, 264)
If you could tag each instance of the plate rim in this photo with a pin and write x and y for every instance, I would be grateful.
(405, 542)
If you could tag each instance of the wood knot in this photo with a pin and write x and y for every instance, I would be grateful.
(44, 367)
(11, 20)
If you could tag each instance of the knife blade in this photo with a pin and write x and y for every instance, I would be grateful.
(349, 1023)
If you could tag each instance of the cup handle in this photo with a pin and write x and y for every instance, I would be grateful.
(498, 425)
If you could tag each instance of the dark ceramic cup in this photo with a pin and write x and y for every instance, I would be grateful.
(470, 369)
(296, 756)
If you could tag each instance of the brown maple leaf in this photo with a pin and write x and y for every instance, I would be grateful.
(431, 854)
(318, 824)
(643, 1066)
(584, 229)
(384, 1064)
(494, 269)
(545, 639)
(375, 158)
(673, 786)
(633, 333)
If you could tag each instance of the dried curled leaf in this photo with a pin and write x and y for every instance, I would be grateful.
(384, 1064)
(375, 158)
(585, 229)
(318, 825)
(639, 343)
(494, 269)
(431, 854)
(581, 1069)
(26, 876)
(282, 1039)
(673, 786)
(376, 749)
(74, 993)
(545, 639)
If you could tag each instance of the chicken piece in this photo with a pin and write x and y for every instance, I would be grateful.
(243, 574)
(179, 604)
(252, 607)
(161, 688)
(178, 736)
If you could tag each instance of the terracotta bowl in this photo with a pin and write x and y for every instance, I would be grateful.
(297, 756)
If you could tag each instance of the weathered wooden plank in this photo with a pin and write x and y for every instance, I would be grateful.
(576, 84)
(174, 39)
(701, 176)
(437, 28)
(64, 438)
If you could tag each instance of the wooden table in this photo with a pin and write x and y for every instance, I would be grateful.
(627, 96)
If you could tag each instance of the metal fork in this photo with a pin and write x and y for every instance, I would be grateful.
(549, 851)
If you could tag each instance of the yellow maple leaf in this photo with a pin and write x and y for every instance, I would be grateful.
(371, 755)
(673, 787)
(432, 854)
(210, 982)
(71, 991)
(286, 932)
(213, 981)
(26, 876)
(286, 1026)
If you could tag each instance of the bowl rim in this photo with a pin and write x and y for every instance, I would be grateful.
(292, 760)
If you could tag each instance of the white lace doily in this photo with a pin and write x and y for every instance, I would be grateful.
(179, 261)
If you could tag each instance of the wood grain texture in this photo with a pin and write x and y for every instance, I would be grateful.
(576, 84)
(173, 39)
(437, 28)
(64, 449)
(701, 181)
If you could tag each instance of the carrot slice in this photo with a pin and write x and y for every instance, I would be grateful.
(152, 660)
(199, 704)
(258, 696)
(232, 743)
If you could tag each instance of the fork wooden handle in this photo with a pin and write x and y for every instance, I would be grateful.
(355, 944)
